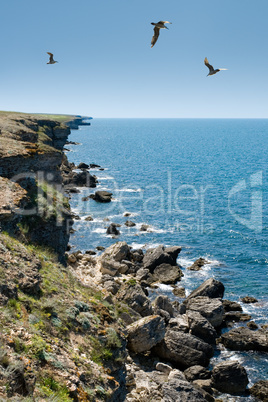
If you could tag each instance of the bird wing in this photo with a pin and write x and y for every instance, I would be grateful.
(223, 69)
(50, 56)
(208, 65)
(164, 22)
(155, 37)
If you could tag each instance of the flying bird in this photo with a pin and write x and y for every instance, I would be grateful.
(211, 68)
(157, 26)
(51, 60)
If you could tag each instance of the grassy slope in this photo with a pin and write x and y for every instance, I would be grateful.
(64, 330)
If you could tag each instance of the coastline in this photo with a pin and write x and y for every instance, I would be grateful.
(121, 276)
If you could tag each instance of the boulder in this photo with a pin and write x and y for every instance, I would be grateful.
(179, 390)
(210, 288)
(163, 303)
(179, 323)
(111, 267)
(163, 368)
(179, 292)
(252, 325)
(198, 264)
(211, 309)
(173, 252)
(112, 261)
(89, 219)
(229, 305)
(134, 296)
(145, 333)
(81, 179)
(155, 257)
(118, 251)
(102, 196)
(260, 390)
(249, 299)
(243, 338)
(229, 377)
(201, 327)
(144, 227)
(137, 255)
(83, 165)
(130, 224)
(197, 373)
(144, 276)
(168, 274)
(183, 350)
(112, 230)
(235, 316)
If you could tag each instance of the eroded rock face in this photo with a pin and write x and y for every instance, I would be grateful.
(145, 333)
(211, 309)
(210, 288)
(229, 377)
(243, 338)
(183, 350)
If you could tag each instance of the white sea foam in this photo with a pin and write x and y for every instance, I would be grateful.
(99, 230)
(130, 190)
(105, 178)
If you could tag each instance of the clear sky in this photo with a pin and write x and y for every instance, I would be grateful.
(107, 68)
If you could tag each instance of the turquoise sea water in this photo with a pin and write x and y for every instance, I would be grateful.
(198, 183)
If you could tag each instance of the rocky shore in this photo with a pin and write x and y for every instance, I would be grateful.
(90, 327)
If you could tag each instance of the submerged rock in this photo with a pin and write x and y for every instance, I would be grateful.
(198, 264)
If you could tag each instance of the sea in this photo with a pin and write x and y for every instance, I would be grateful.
(196, 183)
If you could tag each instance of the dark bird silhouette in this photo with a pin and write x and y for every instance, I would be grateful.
(211, 68)
(157, 26)
(51, 60)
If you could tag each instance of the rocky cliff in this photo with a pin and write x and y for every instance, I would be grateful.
(32, 203)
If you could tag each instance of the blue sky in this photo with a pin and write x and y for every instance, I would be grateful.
(107, 68)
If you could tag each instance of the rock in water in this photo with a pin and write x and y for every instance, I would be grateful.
(229, 377)
(102, 196)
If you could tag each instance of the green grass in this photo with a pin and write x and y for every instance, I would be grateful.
(62, 118)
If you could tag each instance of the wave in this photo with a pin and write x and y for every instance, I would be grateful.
(130, 190)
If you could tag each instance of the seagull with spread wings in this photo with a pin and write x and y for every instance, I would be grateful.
(51, 60)
(157, 26)
(211, 68)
